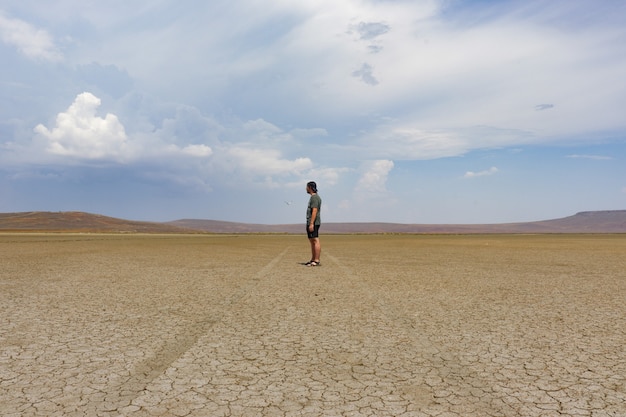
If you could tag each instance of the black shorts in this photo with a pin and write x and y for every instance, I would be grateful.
(315, 233)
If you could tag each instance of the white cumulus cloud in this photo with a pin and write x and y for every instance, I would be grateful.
(79, 132)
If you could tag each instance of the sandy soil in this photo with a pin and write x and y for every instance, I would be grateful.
(111, 325)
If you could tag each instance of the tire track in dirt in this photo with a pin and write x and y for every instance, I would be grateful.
(310, 341)
(176, 346)
(419, 394)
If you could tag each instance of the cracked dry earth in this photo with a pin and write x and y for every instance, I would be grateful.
(106, 325)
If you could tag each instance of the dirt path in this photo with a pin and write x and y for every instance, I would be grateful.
(387, 326)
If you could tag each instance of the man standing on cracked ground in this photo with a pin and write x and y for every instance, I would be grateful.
(313, 222)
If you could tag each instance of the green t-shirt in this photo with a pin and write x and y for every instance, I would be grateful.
(314, 201)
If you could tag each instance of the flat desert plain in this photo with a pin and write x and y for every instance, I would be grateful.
(389, 325)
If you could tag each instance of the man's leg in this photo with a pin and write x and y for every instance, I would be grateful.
(316, 249)
(312, 242)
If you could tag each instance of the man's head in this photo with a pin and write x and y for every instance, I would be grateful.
(311, 187)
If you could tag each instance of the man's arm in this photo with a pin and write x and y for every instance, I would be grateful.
(313, 217)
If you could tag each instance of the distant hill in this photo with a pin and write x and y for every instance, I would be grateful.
(76, 221)
(613, 221)
(584, 222)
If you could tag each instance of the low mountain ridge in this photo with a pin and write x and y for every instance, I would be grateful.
(79, 222)
(609, 221)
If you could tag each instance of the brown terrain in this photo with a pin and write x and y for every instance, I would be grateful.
(75, 221)
(613, 221)
(391, 325)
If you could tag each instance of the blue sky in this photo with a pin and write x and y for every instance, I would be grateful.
(402, 110)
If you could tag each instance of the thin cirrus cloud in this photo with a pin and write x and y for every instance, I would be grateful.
(592, 157)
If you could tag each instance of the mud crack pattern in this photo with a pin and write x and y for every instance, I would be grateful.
(388, 326)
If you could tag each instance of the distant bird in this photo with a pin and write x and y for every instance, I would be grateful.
(288, 202)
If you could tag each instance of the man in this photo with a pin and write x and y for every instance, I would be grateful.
(313, 222)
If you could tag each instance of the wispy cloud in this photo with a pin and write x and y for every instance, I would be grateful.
(366, 74)
(370, 191)
(374, 176)
(372, 30)
(540, 107)
(32, 42)
(594, 157)
(472, 174)
(266, 162)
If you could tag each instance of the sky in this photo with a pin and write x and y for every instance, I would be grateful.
(406, 111)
